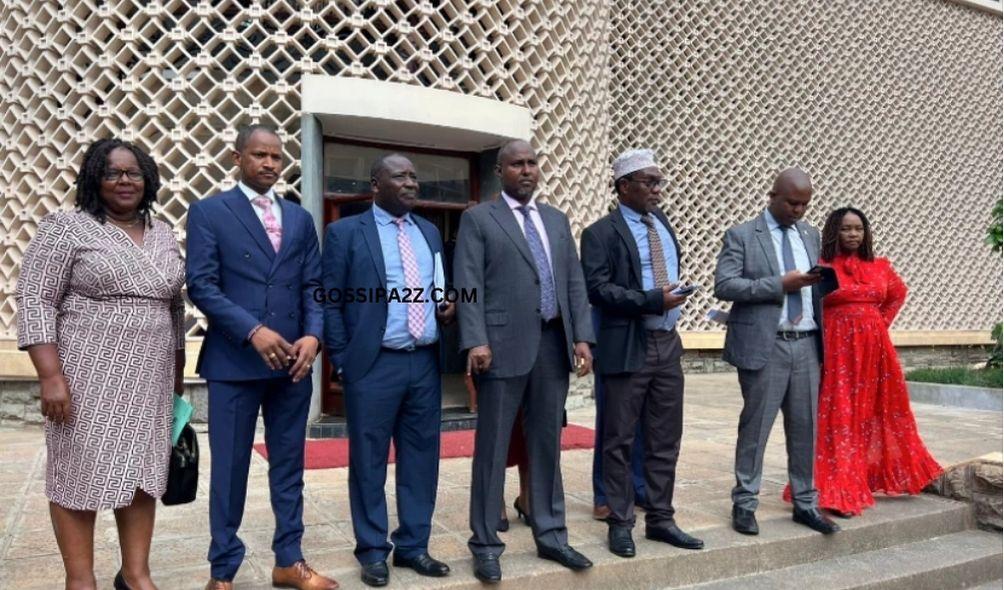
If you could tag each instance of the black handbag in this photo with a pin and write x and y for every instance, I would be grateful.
(183, 470)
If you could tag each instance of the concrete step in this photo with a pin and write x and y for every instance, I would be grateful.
(728, 555)
(958, 560)
(995, 584)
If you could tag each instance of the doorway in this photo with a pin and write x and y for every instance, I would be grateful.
(448, 184)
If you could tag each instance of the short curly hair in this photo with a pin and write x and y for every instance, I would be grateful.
(92, 171)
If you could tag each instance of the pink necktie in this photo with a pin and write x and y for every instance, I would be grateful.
(416, 311)
(272, 227)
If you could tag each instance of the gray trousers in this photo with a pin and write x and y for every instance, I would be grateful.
(541, 394)
(790, 383)
(653, 395)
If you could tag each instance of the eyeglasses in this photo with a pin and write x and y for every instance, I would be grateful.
(651, 183)
(114, 175)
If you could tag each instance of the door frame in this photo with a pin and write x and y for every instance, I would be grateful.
(332, 396)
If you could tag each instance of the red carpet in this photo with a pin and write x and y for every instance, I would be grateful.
(334, 452)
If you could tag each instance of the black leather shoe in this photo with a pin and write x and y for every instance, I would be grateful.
(674, 536)
(744, 521)
(487, 569)
(503, 525)
(815, 520)
(119, 583)
(566, 556)
(620, 541)
(376, 574)
(424, 564)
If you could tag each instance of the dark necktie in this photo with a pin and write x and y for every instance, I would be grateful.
(659, 270)
(548, 302)
(795, 297)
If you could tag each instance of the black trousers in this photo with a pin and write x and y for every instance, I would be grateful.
(541, 394)
(654, 395)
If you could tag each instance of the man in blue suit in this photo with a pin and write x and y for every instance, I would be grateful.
(253, 267)
(381, 335)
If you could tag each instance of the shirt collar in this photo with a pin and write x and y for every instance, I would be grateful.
(252, 195)
(514, 204)
(629, 213)
(384, 218)
(772, 223)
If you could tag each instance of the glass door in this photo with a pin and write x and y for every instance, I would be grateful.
(448, 184)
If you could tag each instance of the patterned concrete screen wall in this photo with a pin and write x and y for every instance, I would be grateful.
(892, 105)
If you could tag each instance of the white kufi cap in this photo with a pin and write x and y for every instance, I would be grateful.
(633, 160)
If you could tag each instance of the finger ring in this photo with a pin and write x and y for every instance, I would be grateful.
(271, 355)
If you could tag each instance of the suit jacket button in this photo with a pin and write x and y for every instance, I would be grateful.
(247, 255)
(292, 315)
(271, 313)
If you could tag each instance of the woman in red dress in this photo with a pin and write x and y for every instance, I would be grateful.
(867, 438)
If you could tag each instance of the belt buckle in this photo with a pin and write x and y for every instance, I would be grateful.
(787, 335)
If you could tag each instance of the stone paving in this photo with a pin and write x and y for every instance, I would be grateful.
(30, 559)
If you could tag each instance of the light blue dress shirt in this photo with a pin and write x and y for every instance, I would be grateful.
(396, 334)
(667, 320)
(802, 263)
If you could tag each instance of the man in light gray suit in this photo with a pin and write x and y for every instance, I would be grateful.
(530, 324)
(774, 340)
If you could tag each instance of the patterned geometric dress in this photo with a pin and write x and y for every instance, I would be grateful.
(115, 311)
(867, 438)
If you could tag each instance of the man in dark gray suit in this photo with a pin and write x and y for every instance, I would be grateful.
(774, 340)
(528, 327)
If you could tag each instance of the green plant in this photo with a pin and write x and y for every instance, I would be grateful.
(985, 377)
(996, 241)
(994, 231)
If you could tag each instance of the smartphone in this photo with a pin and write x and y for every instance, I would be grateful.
(815, 270)
(685, 290)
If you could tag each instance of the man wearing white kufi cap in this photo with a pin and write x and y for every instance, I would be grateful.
(631, 260)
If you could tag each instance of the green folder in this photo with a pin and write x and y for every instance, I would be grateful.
(182, 414)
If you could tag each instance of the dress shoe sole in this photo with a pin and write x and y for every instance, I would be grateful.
(820, 531)
(748, 532)
(626, 554)
(376, 583)
(427, 574)
(487, 580)
(574, 568)
(694, 546)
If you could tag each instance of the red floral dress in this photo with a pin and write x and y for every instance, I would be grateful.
(867, 438)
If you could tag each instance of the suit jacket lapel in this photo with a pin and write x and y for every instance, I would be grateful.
(506, 219)
(428, 232)
(620, 224)
(766, 242)
(810, 245)
(553, 227)
(372, 236)
(243, 210)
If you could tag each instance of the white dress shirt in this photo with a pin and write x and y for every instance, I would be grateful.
(251, 195)
(802, 263)
(537, 222)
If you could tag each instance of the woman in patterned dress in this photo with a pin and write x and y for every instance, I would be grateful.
(867, 438)
(100, 312)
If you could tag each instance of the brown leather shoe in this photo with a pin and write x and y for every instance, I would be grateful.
(601, 512)
(215, 584)
(302, 576)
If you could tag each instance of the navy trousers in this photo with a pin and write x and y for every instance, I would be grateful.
(233, 414)
(400, 398)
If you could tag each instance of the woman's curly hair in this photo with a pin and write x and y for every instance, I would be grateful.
(92, 172)
(831, 235)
